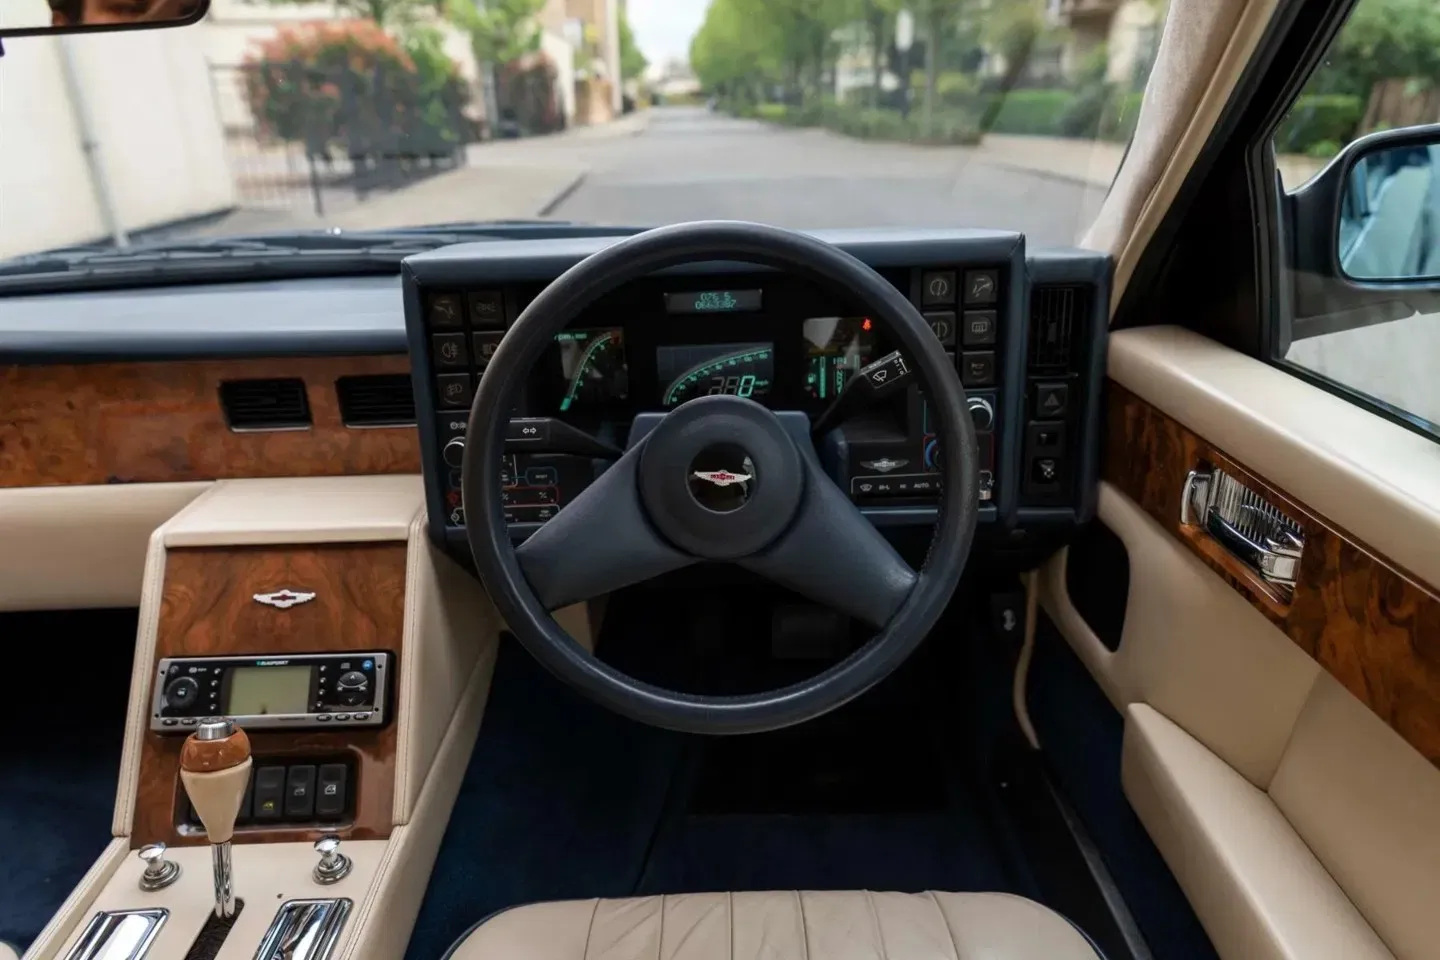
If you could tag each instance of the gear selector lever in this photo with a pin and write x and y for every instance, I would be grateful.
(215, 769)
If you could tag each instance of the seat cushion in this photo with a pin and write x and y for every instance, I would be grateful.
(784, 925)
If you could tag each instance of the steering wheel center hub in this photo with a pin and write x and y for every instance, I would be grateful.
(720, 477)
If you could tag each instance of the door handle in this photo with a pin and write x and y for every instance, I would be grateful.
(1248, 526)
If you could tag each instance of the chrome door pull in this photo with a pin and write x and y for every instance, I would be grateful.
(1242, 521)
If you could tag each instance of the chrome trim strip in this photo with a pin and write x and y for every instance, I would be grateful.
(119, 934)
(304, 930)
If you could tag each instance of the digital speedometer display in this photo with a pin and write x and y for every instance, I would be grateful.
(700, 370)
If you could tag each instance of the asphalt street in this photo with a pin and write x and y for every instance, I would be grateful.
(685, 163)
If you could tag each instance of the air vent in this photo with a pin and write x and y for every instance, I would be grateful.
(383, 400)
(1055, 314)
(265, 404)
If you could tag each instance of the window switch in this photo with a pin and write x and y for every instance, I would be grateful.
(300, 793)
(269, 793)
(330, 791)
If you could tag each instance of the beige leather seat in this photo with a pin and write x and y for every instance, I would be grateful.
(788, 925)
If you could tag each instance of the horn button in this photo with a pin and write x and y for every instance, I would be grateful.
(721, 478)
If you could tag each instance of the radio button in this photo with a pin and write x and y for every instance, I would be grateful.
(342, 716)
(189, 722)
(181, 693)
(169, 721)
(362, 716)
(354, 680)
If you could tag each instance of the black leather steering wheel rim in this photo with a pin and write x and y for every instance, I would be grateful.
(495, 556)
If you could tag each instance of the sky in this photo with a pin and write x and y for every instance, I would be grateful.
(663, 28)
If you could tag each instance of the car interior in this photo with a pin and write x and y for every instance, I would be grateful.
(719, 590)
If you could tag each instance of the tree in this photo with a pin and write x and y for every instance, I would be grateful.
(501, 31)
(387, 13)
(632, 61)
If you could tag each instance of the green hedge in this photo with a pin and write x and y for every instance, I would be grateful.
(867, 123)
(1319, 119)
(1029, 112)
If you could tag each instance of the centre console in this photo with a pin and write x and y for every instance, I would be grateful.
(1025, 335)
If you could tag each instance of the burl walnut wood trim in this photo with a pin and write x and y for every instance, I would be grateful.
(1371, 626)
(161, 422)
(207, 610)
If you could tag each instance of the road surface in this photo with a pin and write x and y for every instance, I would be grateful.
(685, 163)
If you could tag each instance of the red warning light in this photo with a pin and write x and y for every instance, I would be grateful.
(865, 325)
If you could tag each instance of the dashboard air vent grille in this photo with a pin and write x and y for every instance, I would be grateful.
(1055, 314)
(279, 404)
(382, 400)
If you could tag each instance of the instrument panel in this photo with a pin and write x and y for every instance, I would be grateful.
(785, 342)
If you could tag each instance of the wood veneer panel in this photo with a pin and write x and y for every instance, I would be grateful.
(161, 422)
(207, 610)
(1371, 626)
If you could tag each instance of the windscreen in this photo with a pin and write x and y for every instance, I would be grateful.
(269, 117)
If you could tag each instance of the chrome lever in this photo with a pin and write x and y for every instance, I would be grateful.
(1244, 523)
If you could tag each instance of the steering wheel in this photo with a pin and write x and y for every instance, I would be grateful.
(718, 479)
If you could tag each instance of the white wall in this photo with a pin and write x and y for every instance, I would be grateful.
(155, 127)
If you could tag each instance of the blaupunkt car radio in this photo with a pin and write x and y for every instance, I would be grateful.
(284, 692)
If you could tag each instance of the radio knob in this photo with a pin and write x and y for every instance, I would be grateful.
(982, 414)
(181, 693)
(454, 452)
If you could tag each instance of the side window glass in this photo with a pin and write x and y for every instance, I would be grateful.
(1363, 175)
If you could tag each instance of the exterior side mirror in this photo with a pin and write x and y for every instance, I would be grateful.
(1363, 236)
(24, 18)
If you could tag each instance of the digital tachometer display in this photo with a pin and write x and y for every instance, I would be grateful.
(592, 364)
(699, 370)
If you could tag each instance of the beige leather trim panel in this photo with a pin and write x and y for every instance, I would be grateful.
(1205, 46)
(1192, 647)
(1257, 889)
(69, 548)
(1369, 807)
(1366, 475)
(265, 877)
(300, 510)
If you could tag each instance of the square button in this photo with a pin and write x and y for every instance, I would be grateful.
(445, 312)
(1046, 437)
(300, 793)
(485, 346)
(449, 350)
(943, 324)
(487, 310)
(937, 289)
(981, 286)
(455, 390)
(979, 328)
(1052, 399)
(977, 368)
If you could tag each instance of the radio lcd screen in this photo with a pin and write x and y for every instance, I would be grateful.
(256, 691)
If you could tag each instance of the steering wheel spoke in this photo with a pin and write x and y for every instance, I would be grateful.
(833, 555)
(600, 542)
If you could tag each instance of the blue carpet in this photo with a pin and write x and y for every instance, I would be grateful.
(1082, 735)
(57, 789)
(565, 800)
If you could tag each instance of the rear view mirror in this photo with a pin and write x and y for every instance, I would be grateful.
(20, 18)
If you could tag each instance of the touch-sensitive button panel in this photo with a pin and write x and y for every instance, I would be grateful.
(287, 692)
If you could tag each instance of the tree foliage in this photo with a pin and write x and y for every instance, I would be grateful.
(632, 61)
(1382, 40)
(501, 31)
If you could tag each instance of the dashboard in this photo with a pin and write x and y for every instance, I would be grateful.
(1025, 333)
